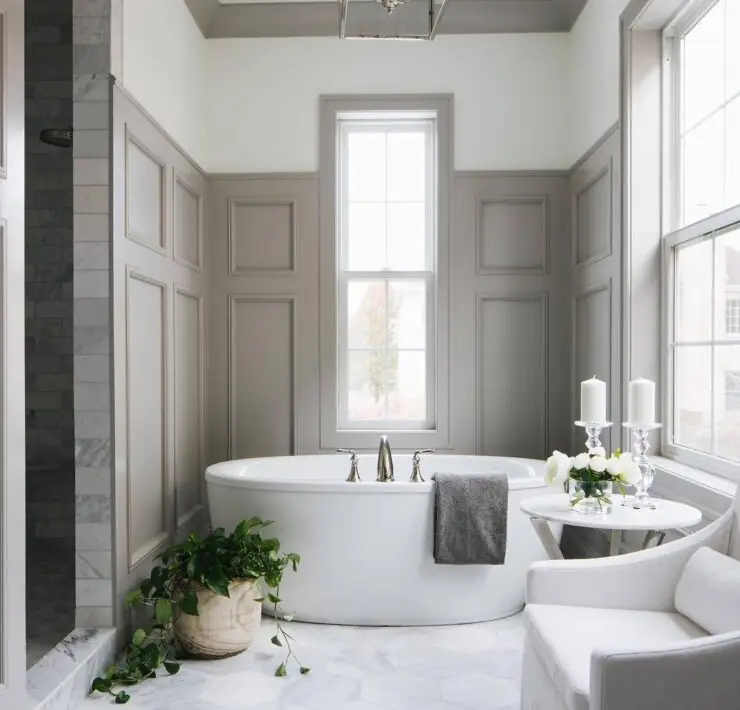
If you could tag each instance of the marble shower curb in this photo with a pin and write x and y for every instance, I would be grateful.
(61, 679)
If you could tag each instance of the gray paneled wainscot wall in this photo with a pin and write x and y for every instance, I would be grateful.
(216, 290)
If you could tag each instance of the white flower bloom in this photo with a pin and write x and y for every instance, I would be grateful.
(557, 468)
(581, 461)
(599, 451)
(598, 464)
(614, 466)
(630, 471)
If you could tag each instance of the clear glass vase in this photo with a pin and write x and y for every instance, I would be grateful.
(590, 497)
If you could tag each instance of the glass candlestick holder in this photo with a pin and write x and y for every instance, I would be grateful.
(641, 444)
(593, 430)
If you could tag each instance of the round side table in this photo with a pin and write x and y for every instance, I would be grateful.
(667, 515)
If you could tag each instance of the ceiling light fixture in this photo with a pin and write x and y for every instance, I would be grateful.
(433, 19)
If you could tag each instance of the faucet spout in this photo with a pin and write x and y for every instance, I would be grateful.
(385, 461)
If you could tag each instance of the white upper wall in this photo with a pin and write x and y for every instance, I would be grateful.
(511, 96)
(163, 67)
(524, 101)
(593, 73)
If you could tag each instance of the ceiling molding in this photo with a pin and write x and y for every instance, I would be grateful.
(321, 19)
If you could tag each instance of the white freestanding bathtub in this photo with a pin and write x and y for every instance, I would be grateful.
(366, 548)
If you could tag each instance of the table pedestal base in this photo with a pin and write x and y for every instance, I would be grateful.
(653, 538)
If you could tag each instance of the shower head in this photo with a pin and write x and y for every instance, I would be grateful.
(60, 137)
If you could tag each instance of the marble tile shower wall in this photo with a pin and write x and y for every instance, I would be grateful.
(49, 388)
(92, 304)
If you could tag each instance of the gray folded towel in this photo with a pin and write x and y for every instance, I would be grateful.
(470, 515)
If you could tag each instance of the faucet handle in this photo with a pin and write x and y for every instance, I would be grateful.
(354, 472)
(416, 476)
(419, 452)
(351, 452)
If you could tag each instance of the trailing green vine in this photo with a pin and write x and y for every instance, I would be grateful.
(211, 562)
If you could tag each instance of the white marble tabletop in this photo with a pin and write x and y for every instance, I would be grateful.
(668, 515)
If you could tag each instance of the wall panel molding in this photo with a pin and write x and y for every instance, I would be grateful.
(186, 436)
(588, 242)
(267, 258)
(156, 242)
(587, 335)
(525, 212)
(190, 255)
(142, 399)
(270, 440)
(517, 436)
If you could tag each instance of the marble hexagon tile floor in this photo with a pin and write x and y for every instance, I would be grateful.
(471, 667)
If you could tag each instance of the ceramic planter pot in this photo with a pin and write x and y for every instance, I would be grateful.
(226, 625)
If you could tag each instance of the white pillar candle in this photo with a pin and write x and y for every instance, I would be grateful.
(641, 401)
(593, 400)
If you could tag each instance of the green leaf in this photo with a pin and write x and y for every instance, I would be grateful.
(163, 611)
(101, 685)
(275, 641)
(217, 581)
(158, 576)
(305, 670)
(146, 587)
(122, 698)
(133, 598)
(274, 599)
(171, 668)
(189, 604)
(138, 638)
(280, 672)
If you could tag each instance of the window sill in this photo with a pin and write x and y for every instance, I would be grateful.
(710, 493)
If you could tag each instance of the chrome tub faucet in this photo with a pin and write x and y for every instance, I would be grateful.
(385, 461)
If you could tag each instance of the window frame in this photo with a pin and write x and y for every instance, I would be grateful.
(393, 122)
(333, 430)
(675, 236)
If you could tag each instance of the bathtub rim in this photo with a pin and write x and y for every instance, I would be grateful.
(216, 476)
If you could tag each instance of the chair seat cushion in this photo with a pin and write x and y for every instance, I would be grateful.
(708, 592)
(564, 637)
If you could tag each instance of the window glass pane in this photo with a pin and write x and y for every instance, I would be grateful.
(366, 166)
(407, 314)
(407, 395)
(727, 400)
(366, 385)
(693, 397)
(703, 66)
(727, 297)
(366, 236)
(703, 169)
(407, 167)
(732, 44)
(366, 318)
(693, 292)
(407, 236)
(732, 152)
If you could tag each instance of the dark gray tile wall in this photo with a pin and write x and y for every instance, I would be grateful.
(49, 310)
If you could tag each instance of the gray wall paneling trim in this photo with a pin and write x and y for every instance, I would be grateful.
(598, 222)
(282, 303)
(474, 388)
(160, 489)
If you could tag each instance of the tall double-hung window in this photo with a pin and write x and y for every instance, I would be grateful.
(387, 185)
(702, 234)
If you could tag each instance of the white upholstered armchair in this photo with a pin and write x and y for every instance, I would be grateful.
(651, 630)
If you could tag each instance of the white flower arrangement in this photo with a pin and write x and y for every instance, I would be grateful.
(592, 468)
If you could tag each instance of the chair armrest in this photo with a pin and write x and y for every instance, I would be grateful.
(644, 580)
(694, 675)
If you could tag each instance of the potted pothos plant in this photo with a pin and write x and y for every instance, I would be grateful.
(206, 599)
